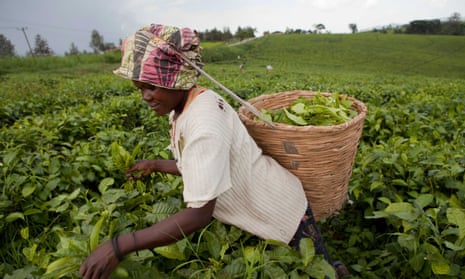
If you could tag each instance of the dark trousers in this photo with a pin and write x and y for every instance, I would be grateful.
(308, 228)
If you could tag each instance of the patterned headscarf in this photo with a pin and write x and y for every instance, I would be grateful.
(148, 56)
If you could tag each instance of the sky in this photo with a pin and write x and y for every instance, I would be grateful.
(63, 22)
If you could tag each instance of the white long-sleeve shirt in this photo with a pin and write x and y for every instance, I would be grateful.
(219, 159)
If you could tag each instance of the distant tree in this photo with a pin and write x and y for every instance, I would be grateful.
(214, 35)
(392, 29)
(295, 31)
(424, 27)
(319, 28)
(109, 46)
(353, 28)
(455, 17)
(73, 50)
(227, 35)
(96, 42)
(6, 47)
(453, 26)
(244, 33)
(41, 46)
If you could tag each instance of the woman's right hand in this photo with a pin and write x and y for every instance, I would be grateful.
(141, 168)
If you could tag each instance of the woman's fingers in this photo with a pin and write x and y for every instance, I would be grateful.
(139, 170)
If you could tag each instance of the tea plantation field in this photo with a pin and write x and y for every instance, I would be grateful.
(69, 128)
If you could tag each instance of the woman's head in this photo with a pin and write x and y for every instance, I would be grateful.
(149, 56)
(162, 100)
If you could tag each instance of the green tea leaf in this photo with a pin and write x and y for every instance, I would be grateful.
(455, 247)
(298, 108)
(14, 216)
(424, 200)
(62, 267)
(120, 272)
(296, 119)
(25, 233)
(105, 183)
(403, 210)
(173, 251)
(307, 250)
(456, 216)
(95, 234)
(213, 245)
(440, 267)
(407, 241)
(251, 255)
(28, 190)
(417, 262)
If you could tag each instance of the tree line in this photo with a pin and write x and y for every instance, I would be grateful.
(454, 25)
(98, 44)
(41, 47)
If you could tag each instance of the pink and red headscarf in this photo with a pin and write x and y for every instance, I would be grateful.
(148, 56)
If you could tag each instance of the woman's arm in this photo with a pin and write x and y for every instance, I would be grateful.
(146, 167)
(169, 230)
(103, 260)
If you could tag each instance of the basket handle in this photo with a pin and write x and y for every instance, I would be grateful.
(246, 104)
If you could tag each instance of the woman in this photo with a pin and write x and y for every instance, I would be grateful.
(225, 174)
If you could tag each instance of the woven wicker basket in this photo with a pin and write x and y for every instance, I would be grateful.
(320, 156)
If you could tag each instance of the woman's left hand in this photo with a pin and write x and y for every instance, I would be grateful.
(100, 263)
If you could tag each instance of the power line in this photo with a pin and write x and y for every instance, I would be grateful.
(27, 40)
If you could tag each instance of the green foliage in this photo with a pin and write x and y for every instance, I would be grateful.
(316, 111)
(97, 42)
(433, 56)
(68, 66)
(6, 47)
(219, 53)
(41, 47)
(69, 129)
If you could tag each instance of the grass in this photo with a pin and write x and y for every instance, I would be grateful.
(434, 56)
(371, 53)
(84, 63)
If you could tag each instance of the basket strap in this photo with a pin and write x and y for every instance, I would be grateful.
(246, 104)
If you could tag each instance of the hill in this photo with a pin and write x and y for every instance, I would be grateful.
(372, 53)
(433, 56)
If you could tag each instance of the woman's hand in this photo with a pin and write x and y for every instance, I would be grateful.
(141, 168)
(146, 167)
(100, 263)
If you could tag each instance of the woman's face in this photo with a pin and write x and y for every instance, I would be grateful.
(161, 100)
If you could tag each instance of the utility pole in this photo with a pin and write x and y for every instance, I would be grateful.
(27, 40)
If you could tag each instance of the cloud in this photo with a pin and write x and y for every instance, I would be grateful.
(325, 5)
(335, 6)
(438, 3)
(371, 3)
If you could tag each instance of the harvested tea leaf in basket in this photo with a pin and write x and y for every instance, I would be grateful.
(316, 111)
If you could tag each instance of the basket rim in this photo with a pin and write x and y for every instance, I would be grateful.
(245, 115)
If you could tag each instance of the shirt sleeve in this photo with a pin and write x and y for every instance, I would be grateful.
(205, 167)
(205, 160)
